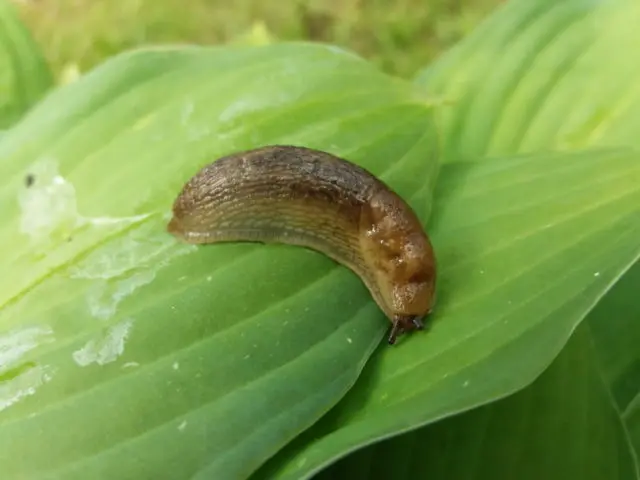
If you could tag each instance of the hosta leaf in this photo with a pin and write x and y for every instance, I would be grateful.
(24, 76)
(526, 246)
(549, 75)
(564, 425)
(615, 327)
(539, 75)
(124, 354)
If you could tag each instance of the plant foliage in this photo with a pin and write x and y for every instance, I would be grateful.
(126, 354)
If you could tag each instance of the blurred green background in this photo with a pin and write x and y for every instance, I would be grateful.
(401, 36)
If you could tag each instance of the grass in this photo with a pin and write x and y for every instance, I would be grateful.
(401, 36)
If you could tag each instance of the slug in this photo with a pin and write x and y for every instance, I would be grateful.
(304, 197)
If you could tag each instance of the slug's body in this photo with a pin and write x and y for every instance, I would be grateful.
(309, 198)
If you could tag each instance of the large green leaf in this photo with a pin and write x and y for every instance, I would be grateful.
(615, 326)
(24, 76)
(562, 426)
(124, 354)
(550, 75)
(526, 246)
(541, 75)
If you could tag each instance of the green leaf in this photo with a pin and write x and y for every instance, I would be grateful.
(24, 75)
(615, 327)
(549, 75)
(527, 246)
(564, 425)
(124, 354)
(541, 75)
(632, 420)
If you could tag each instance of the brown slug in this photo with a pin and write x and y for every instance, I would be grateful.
(309, 198)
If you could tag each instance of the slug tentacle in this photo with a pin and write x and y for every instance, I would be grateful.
(308, 198)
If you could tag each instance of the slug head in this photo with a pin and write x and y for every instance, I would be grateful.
(401, 258)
